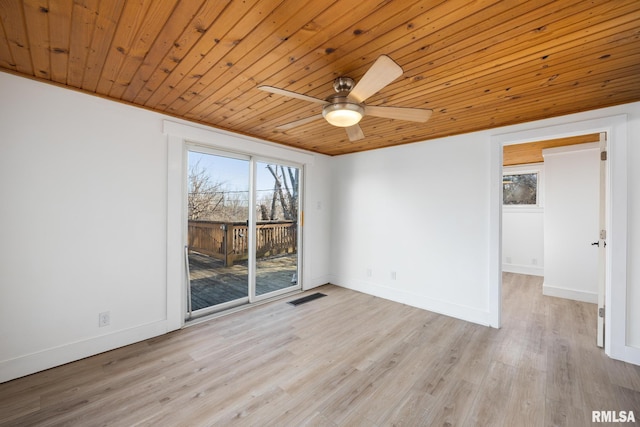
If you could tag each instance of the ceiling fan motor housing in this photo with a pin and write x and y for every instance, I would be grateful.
(343, 84)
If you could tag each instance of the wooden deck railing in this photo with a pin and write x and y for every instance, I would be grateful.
(228, 241)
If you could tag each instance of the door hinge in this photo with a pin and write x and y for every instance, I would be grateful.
(601, 312)
(603, 155)
(603, 234)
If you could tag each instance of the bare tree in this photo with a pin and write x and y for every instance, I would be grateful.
(235, 206)
(285, 190)
(205, 196)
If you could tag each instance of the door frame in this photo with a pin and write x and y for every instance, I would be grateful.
(602, 239)
(616, 275)
(252, 161)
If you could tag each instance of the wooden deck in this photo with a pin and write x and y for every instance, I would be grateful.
(212, 283)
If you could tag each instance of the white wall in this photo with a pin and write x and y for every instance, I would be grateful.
(421, 211)
(317, 223)
(83, 225)
(571, 221)
(523, 230)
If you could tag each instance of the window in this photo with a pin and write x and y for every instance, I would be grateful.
(520, 189)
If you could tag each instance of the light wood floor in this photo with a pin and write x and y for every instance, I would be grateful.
(348, 359)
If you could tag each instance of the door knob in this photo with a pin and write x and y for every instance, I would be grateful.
(596, 244)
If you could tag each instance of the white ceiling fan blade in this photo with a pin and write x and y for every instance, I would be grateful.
(354, 133)
(300, 122)
(381, 73)
(290, 94)
(400, 113)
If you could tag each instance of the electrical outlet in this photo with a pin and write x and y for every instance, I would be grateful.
(393, 275)
(369, 272)
(104, 318)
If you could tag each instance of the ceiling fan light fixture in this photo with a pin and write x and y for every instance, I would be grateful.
(343, 114)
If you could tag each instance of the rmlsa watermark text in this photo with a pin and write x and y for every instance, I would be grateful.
(613, 417)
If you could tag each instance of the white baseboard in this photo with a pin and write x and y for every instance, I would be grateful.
(573, 294)
(523, 269)
(56, 356)
(446, 308)
(315, 282)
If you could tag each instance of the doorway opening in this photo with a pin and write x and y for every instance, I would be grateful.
(553, 209)
(243, 230)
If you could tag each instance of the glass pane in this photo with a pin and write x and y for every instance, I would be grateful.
(520, 189)
(277, 202)
(218, 211)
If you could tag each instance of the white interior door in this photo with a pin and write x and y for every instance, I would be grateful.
(602, 235)
(571, 222)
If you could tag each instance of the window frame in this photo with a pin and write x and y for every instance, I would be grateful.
(532, 168)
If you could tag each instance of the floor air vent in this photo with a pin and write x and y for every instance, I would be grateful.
(306, 299)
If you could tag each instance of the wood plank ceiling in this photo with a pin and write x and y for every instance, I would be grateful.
(477, 64)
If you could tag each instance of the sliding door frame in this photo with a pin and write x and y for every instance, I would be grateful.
(179, 134)
(253, 297)
(252, 160)
(204, 149)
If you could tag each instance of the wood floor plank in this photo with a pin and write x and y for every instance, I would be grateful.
(534, 354)
(560, 415)
(453, 407)
(346, 359)
(563, 382)
(487, 409)
(412, 409)
(525, 405)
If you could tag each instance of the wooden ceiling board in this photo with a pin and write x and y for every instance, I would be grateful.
(59, 35)
(477, 64)
(531, 152)
(38, 36)
(15, 32)
(85, 23)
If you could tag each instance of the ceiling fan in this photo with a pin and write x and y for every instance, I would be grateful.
(346, 107)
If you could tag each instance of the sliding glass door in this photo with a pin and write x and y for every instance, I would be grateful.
(242, 230)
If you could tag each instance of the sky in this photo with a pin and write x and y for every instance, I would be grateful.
(233, 172)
